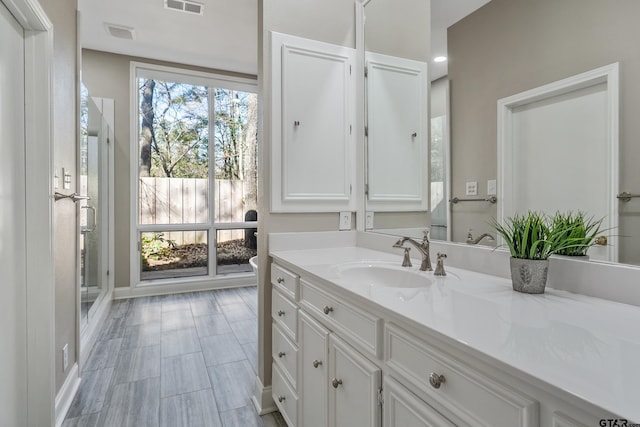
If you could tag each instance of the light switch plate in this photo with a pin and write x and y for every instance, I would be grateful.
(492, 187)
(472, 188)
(345, 220)
(368, 223)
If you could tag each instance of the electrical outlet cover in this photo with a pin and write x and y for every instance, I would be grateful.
(472, 188)
(345, 220)
(492, 188)
(369, 220)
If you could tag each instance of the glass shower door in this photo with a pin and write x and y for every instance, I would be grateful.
(94, 221)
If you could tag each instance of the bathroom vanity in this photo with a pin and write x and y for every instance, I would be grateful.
(360, 341)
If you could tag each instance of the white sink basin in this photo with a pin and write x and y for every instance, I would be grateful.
(385, 274)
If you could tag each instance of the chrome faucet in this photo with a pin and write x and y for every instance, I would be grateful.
(472, 241)
(422, 247)
(440, 265)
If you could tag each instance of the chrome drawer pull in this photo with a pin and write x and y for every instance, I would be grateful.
(281, 354)
(281, 399)
(317, 363)
(280, 313)
(327, 309)
(436, 380)
(280, 280)
(336, 382)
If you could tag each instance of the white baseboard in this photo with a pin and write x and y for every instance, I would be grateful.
(175, 288)
(90, 333)
(66, 394)
(262, 399)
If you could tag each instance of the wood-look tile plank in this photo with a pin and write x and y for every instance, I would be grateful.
(246, 331)
(196, 409)
(179, 319)
(245, 416)
(103, 355)
(112, 328)
(237, 312)
(90, 420)
(205, 307)
(144, 335)
(233, 384)
(219, 349)
(143, 314)
(120, 308)
(136, 364)
(134, 404)
(181, 341)
(183, 374)
(251, 351)
(228, 296)
(92, 393)
(214, 324)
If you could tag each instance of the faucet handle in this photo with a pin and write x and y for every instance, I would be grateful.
(425, 236)
(441, 255)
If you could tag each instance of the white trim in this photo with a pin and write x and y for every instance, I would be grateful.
(40, 283)
(66, 394)
(360, 105)
(608, 74)
(262, 398)
(173, 287)
(196, 78)
(90, 334)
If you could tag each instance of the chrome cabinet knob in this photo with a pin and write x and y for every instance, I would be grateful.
(281, 399)
(327, 309)
(280, 280)
(336, 382)
(316, 363)
(436, 380)
(281, 354)
(280, 313)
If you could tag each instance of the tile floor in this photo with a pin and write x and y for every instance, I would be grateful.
(177, 360)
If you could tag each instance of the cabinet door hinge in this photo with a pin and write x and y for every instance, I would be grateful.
(366, 71)
(366, 189)
(366, 131)
(350, 129)
(108, 272)
(349, 69)
(380, 397)
(350, 189)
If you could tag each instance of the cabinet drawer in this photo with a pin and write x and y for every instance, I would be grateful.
(285, 354)
(285, 280)
(284, 396)
(473, 397)
(360, 327)
(284, 313)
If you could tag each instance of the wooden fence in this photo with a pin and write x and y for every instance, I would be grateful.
(185, 201)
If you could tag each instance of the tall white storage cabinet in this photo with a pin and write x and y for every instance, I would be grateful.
(313, 99)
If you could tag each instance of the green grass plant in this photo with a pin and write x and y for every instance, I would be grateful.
(534, 235)
(580, 232)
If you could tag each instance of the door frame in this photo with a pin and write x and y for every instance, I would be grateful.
(40, 282)
(608, 74)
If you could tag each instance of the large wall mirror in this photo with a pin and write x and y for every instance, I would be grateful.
(507, 47)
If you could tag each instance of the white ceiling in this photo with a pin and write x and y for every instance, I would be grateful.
(224, 37)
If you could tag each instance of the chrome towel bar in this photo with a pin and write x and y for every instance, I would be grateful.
(490, 199)
(625, 196)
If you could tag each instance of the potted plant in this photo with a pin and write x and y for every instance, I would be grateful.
(531, 241)
(579, 231)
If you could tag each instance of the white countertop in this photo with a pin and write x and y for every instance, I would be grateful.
(585, 346)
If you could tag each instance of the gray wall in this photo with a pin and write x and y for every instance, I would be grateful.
(62, 14)
(107, 75)
(509, 46)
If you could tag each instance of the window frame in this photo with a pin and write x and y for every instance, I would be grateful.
(174, 74)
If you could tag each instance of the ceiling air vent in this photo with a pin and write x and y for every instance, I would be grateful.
(184, 6)
(120, 31)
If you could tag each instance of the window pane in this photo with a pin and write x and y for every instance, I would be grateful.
(174, 254)
(236, 152)
(174, 153)
(234, 248)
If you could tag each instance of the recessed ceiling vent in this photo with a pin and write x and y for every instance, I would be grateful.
(120, 31)
(184, 6)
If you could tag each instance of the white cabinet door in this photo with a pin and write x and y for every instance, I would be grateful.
(397, 137)
(404, 409)
(313, 164)
(354, 384)
(314, 353)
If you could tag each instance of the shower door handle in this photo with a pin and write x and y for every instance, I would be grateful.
(94, 224)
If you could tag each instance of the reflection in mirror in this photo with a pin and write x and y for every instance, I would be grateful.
(507, 47)
(397, 48)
